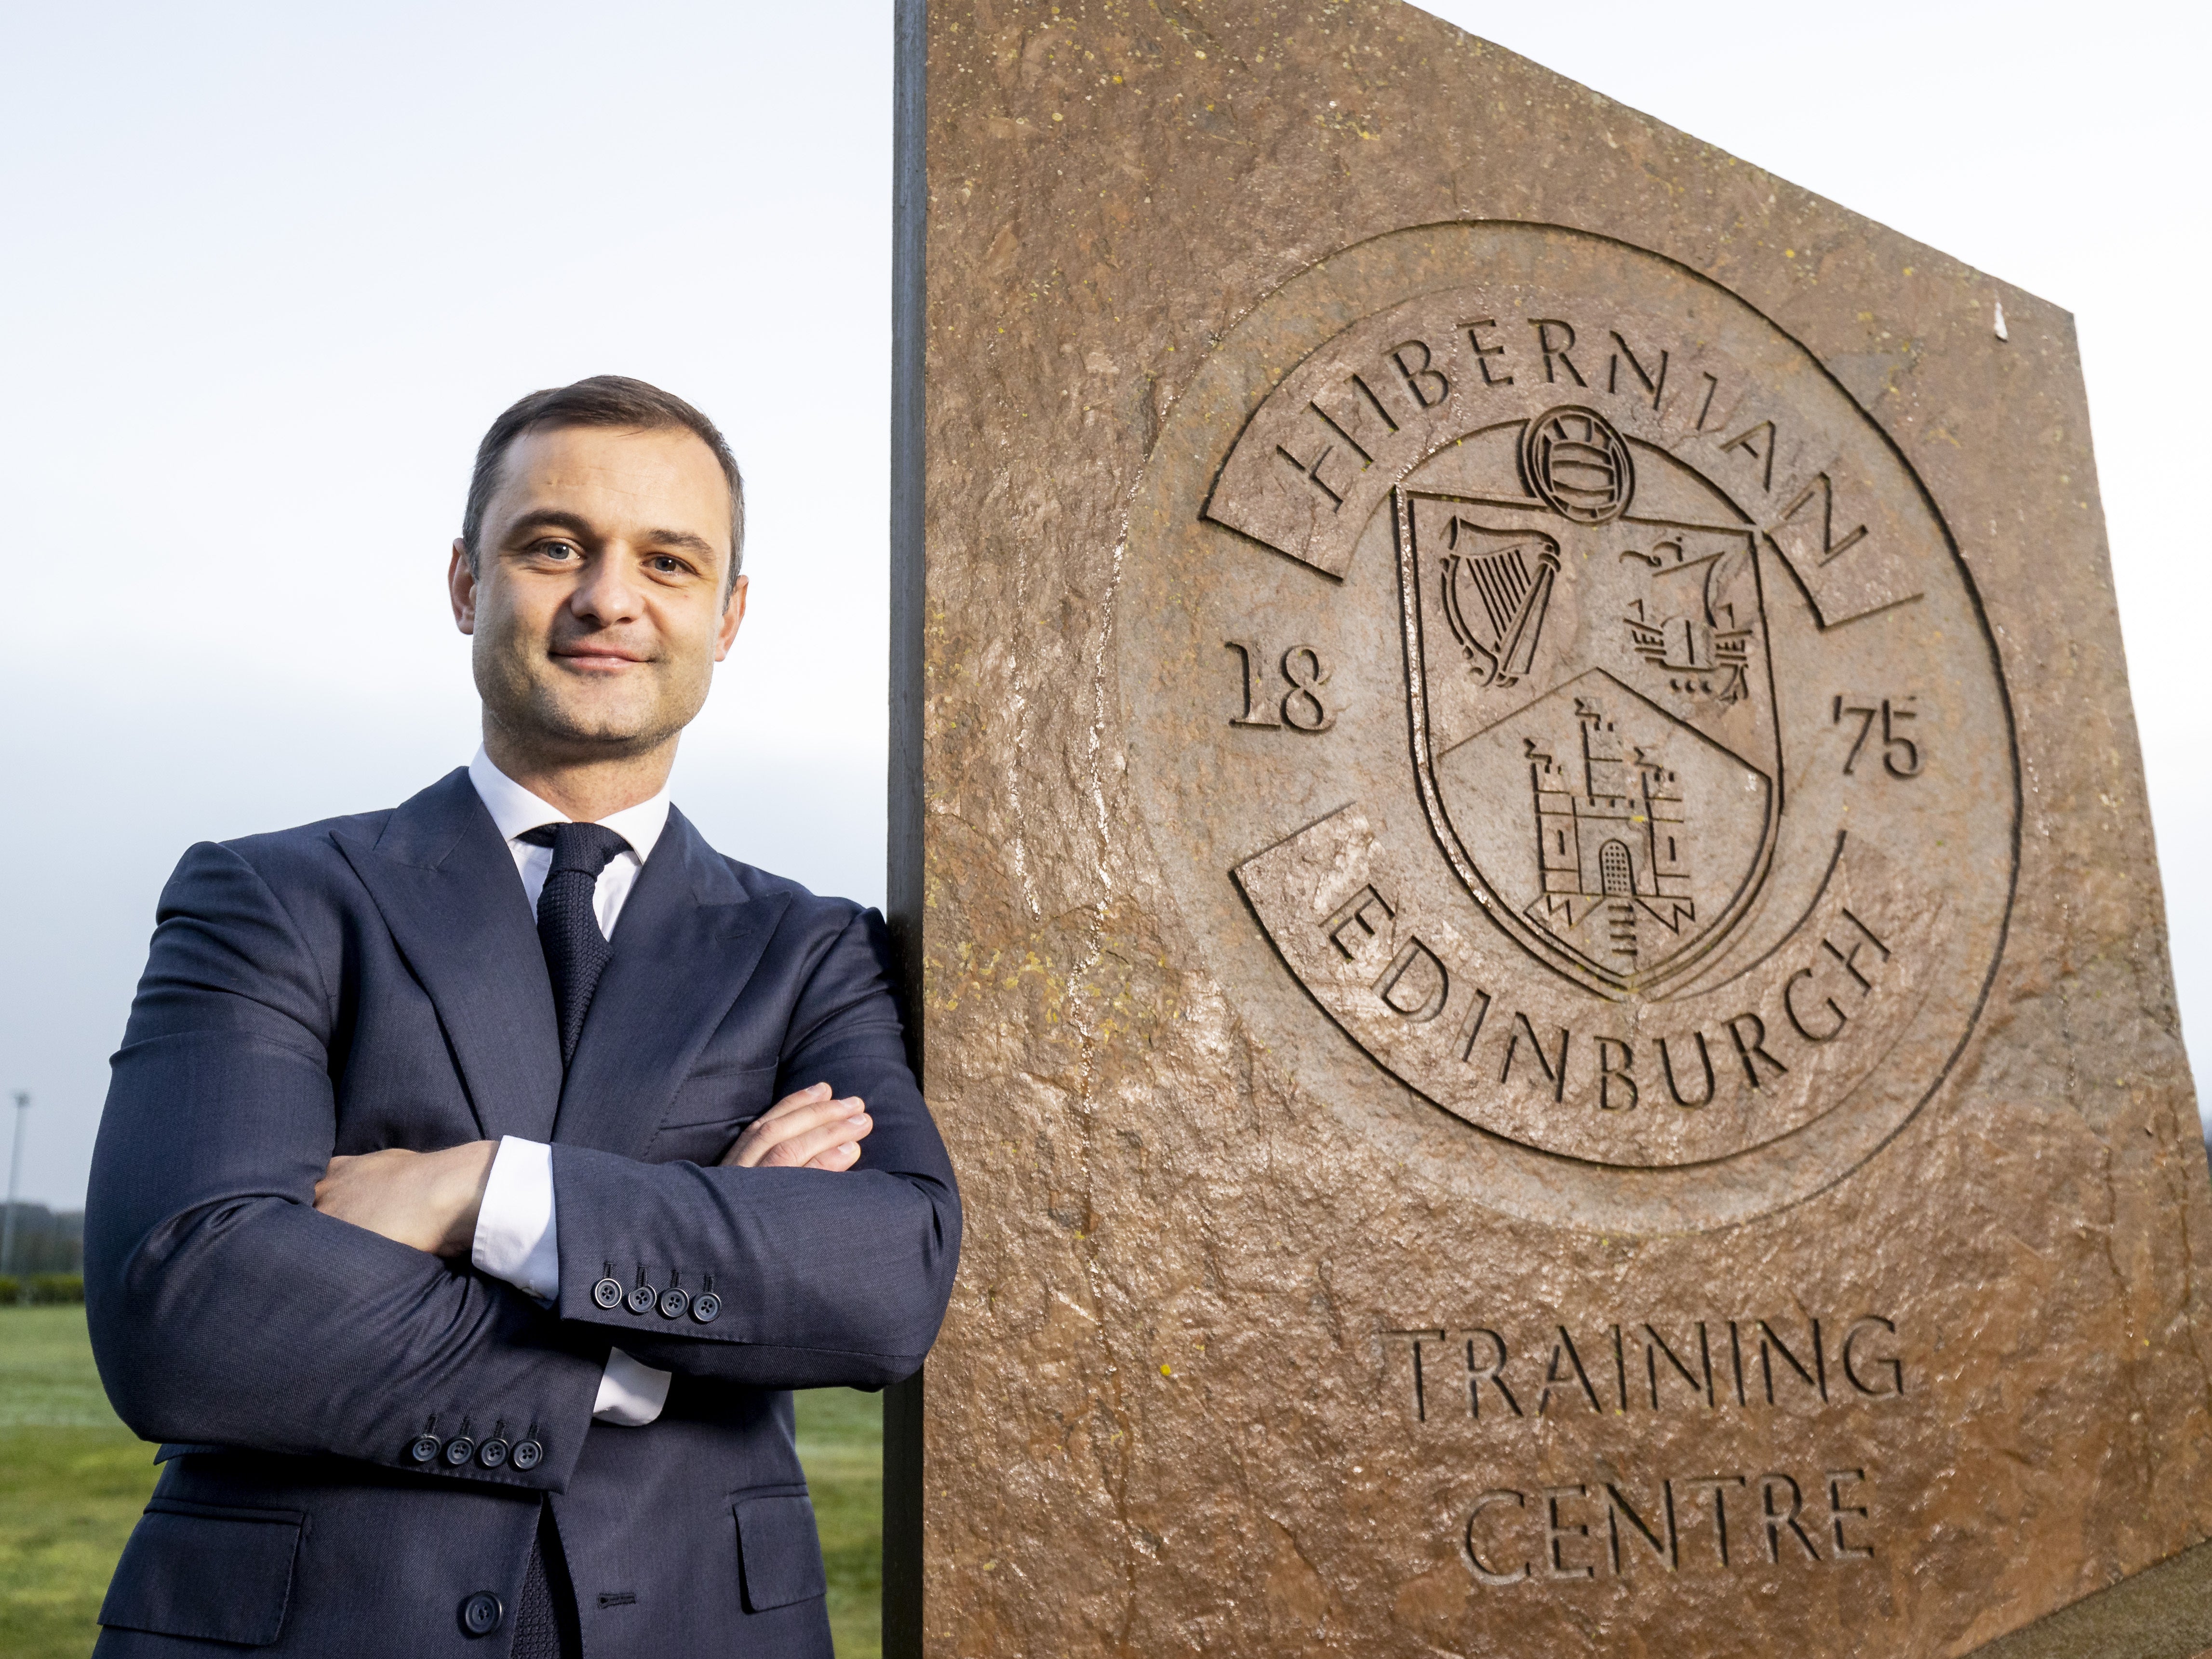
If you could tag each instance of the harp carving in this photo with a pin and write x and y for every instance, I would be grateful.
(1497, 585)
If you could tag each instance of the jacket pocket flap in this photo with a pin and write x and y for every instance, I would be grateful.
(779, 1556)
(213, 1575)
(726, 1094)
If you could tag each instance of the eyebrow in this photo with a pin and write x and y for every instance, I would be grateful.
(552, 518)
(682, 539)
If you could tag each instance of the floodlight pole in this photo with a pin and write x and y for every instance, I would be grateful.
(15, 1167)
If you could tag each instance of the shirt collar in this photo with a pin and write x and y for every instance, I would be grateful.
(515, 809)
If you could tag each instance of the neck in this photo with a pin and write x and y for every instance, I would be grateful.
(587, 787)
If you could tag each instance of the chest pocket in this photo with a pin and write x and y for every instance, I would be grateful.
(709, 1109)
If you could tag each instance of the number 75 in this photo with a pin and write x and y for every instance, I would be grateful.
(1900, 754)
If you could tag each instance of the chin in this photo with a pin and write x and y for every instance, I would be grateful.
(613, 735)
(597, 726)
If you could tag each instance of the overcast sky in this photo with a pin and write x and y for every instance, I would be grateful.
(270, 270)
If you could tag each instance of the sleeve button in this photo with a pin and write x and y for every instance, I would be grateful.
(526, 1454)
(642, 1299)
(459, 1450)
(492, 1454)
(481, 1613)
(704, 1307)
(425, 1448)
(607, 1293)
(673, 1302)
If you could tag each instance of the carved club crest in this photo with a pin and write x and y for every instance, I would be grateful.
(1501, 764)
(1591, 694)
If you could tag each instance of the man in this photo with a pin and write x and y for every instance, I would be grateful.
(441, 1224)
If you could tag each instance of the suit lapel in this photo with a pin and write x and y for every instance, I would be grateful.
(688, 940)
(445, 885)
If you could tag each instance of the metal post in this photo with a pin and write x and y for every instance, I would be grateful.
(903, 888)
(15, 1169)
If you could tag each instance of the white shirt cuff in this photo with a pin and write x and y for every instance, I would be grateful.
(516, 1237)
(517, 1240)
(630, 1394)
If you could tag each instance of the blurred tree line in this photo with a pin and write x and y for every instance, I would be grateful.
(45, 1242)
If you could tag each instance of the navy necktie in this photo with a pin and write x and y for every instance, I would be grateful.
(576, 954)
(577, 951)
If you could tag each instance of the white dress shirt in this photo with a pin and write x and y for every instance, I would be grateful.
(517, 1236)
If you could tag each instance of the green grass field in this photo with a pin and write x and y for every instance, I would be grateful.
(72, 1480)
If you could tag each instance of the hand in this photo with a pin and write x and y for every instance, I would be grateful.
(808, 1130)
(426, 1199)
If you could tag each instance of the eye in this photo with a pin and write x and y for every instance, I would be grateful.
(667, 564)
(560, 549)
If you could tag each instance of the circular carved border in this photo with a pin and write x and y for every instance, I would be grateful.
(1268, 514)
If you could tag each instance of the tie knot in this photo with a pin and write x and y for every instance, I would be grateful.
(586, 847)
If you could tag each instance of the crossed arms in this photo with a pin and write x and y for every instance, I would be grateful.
(226, 1310)
(430, 1201)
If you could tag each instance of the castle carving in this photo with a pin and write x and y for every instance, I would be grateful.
(1612, 843)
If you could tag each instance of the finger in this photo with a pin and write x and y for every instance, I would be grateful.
(764, 1134)
(839, 1158)
(796, 1149)
(823, 1142)
(802, 1149)
(830, 1115)
(745, 1150)
(843, 1156)
(798, 1100)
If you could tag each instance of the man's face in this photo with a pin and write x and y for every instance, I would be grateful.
(597, 605)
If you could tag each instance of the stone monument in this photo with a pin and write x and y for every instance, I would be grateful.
(1532, 916)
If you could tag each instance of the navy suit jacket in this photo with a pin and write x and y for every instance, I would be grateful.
(377, 982)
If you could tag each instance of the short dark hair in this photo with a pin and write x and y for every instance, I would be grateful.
(613, 400)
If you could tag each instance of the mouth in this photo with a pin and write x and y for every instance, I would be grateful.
(596, 657)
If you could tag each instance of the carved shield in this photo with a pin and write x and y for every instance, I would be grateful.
(1591, 697)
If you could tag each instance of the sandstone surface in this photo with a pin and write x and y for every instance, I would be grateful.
(1538, 940)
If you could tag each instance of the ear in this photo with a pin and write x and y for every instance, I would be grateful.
(733, 614)
(461, 588)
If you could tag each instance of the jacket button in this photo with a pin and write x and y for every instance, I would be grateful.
(459, 1450)
(481, 1613)
(425, 1448)
(704, 1307)
(642, 1299)
(673, 1302)
(607, 1293)
(492, 1454)
(526, 1454)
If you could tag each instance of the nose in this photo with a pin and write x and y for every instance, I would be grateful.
(608, 591)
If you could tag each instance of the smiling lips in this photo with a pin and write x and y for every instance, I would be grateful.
(597, 657)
